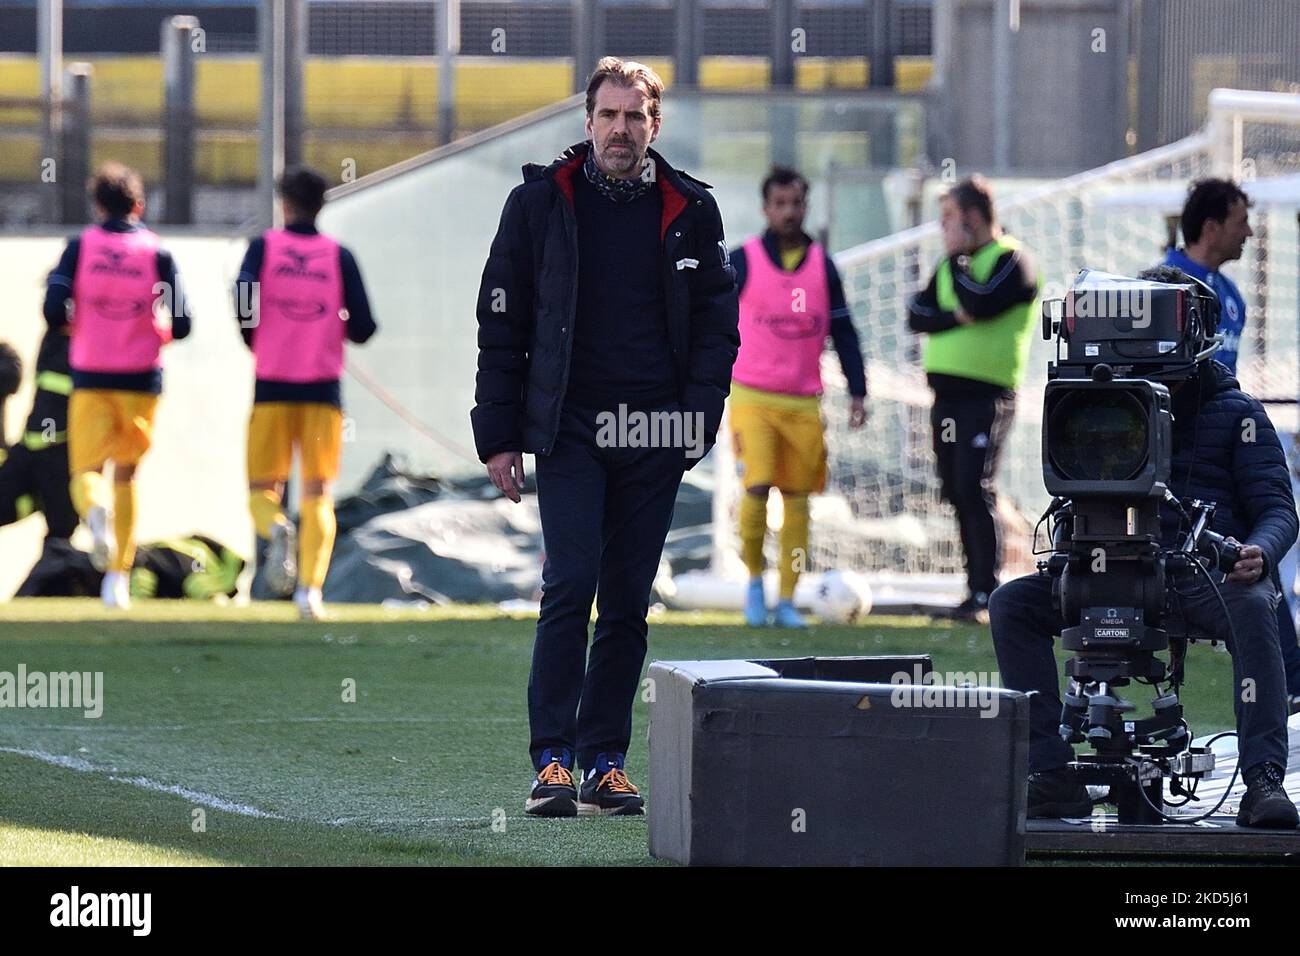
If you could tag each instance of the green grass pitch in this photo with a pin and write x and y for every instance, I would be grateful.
(239, 713)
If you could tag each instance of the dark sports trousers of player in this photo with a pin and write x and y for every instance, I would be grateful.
(978, 314)
(608, 284)
(1249, 482)
(34, 470)
(1215, 223)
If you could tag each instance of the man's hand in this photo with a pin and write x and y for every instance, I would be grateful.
(1251, 566)
(506, 469)
(963, 317)
(857, 411)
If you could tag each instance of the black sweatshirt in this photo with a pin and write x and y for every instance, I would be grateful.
(1014, 280)
(620, 351)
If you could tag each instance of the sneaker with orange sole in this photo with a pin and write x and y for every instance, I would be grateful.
(554, 793)
(606, 791)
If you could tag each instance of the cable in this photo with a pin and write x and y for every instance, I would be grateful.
(425, 431)
(1057, 504)
(1232, 631)
(1237, 769)
(1213, 810)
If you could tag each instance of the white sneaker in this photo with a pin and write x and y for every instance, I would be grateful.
(115, 592)
(100, 524)
(282, 559)
(309, 604)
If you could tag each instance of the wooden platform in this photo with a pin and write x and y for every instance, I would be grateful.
(1219, 836)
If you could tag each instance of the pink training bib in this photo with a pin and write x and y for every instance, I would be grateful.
(784, 320)
(114, 327)
(300, 329)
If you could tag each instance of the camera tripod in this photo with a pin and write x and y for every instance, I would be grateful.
(1116, 638)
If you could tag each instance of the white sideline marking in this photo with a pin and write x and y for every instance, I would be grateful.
(219, 803)
(241, 721)
(144, 783)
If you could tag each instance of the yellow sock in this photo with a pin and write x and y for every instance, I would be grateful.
(88, 489)
(123, 525)
(264, 504)
(794, 542)
(753, 526)
(316, 540)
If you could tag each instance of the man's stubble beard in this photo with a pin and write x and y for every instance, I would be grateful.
(616, 165)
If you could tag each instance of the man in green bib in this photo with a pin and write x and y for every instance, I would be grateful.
(977, 313)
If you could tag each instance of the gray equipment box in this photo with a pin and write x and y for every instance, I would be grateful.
(834, 762)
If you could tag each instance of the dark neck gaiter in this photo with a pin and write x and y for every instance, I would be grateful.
(618, 190)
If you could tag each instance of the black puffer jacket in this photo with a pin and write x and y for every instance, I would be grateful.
(528, 297)
(1238, 464)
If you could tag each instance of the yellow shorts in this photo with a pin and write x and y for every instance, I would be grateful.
(781, 443)
(106, 424)
(276, 428)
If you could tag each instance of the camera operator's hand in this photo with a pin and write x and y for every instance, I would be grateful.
(1251, 566)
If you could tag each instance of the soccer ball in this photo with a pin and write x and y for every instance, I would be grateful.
(841, 597)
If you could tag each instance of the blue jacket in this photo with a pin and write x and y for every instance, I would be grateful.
(1232, 307)
(1227, 451)
(528, 300)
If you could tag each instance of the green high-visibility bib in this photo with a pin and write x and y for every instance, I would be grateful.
(992, 350)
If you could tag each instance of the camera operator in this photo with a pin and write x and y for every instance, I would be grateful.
(1215, 222)
(1224, 450)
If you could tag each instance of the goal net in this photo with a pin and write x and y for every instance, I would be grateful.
(881, 513)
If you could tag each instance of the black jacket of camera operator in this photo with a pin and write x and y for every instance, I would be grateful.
(1226, 450)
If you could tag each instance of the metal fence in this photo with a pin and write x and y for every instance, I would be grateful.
(373, 87)
(532, 28)
(1188, 47)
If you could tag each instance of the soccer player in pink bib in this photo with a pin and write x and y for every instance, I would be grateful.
(309, 300)
(109, 288)
(791, 300)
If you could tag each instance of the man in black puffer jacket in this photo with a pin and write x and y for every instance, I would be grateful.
(607, 304)
(1225, 450)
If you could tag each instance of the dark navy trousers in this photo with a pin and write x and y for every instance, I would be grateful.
(1024, 620)
(605, 514)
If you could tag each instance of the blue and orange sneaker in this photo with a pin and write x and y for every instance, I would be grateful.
(554, 793)
(606, 791)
